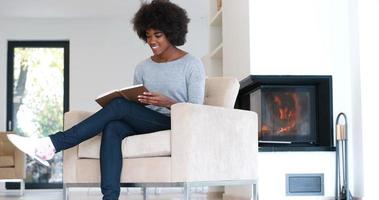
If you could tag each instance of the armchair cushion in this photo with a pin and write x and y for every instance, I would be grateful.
(138, 146)
(148, 145)
(90, 148)
(221, 91)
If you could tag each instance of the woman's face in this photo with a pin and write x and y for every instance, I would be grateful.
(157, 41)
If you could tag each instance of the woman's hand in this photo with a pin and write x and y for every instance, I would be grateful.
(155, 99)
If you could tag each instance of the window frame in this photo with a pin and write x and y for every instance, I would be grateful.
(65, 44)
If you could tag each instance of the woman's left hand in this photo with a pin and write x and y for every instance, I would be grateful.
(156, 99)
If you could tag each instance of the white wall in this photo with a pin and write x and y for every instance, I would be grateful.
(307, 37)
(369, 63)
(103, 52)
(273, 167)
(235, 38)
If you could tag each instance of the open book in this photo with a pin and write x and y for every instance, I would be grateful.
(131, 93)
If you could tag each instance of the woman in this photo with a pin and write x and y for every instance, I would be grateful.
(171, 74)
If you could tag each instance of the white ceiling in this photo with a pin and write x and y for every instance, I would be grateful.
(80, 8)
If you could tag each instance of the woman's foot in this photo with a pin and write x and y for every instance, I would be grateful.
(41, 149)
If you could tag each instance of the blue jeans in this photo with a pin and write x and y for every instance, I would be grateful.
(119, 119)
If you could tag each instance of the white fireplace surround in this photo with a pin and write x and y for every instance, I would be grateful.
(310, 37)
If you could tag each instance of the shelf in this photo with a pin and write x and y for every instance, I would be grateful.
(217, 52)
(217, 19)
(214, 58)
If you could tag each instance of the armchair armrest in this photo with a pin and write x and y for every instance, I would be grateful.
(71, 118)
(213, 143)
(19, 163)
(9, 150)
(70, 156)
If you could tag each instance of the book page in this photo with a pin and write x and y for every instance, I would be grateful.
(106, 93)
(130, 87)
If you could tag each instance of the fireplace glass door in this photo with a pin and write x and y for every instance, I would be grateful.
(286, 113)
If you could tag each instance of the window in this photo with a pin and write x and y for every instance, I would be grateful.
(37, 97)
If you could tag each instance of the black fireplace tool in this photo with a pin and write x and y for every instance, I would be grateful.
(342, 180)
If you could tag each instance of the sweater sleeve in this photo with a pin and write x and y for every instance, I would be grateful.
(137, 78)
(196, 83)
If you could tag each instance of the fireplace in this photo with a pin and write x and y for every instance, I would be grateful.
(294, 112)
(287, 113)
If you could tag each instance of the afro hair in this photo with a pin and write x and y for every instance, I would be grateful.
(165, 16)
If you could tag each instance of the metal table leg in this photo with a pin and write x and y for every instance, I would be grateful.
(187, 192)
(144, 190)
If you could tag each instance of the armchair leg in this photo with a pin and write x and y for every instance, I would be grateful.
(65, 192)
(144, 191)
(255, 191)
(187, 192)
(22, 187)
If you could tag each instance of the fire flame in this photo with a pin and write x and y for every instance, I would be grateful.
(285, 108)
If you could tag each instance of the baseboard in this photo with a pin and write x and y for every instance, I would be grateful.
(231, 197)
(333, 198)
(354, 198)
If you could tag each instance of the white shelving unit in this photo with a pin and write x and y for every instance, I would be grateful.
(213, 61)
(229, 39)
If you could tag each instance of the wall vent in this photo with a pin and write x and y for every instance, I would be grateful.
(304, 184)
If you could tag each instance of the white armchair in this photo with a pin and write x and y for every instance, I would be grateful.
(12, 162)
(207, 145)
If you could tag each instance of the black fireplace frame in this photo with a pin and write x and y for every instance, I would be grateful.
(324, 107)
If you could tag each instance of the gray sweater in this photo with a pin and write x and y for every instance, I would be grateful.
(182, 80)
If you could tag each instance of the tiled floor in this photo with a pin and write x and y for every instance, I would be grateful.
(95, 194)
(32, 195)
